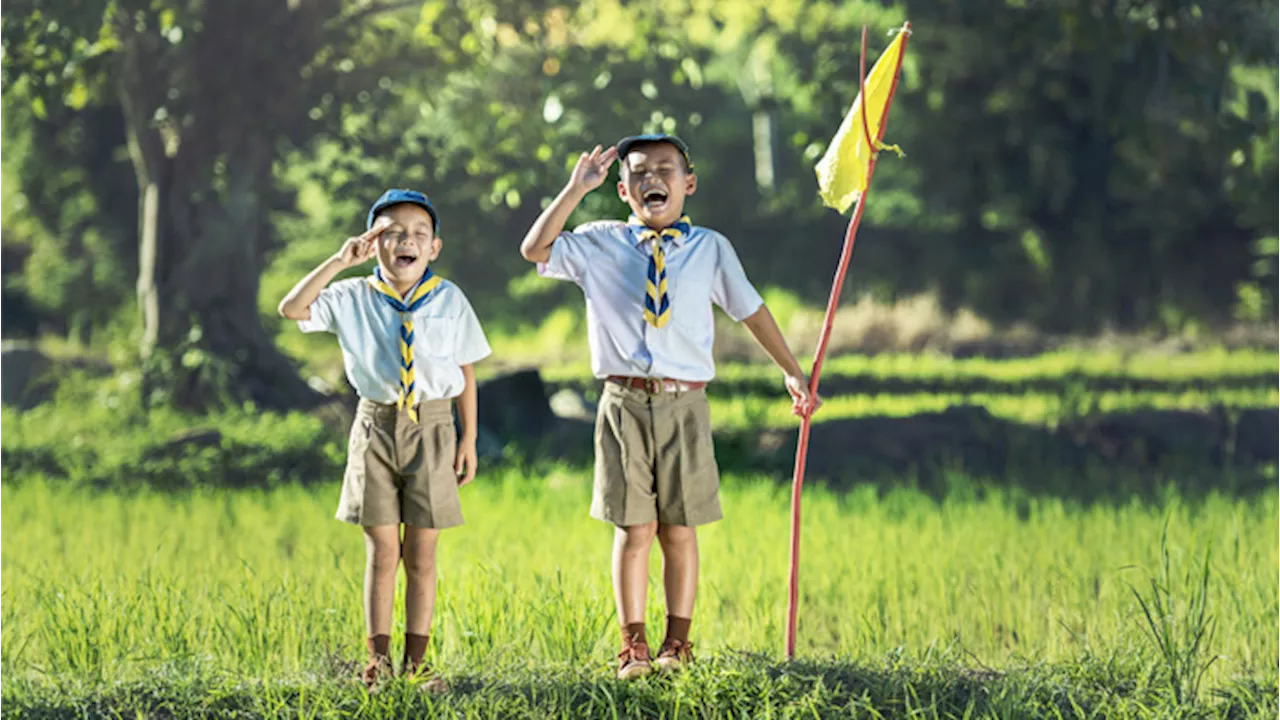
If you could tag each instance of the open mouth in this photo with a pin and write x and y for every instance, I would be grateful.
(654, 198)
(404, 260)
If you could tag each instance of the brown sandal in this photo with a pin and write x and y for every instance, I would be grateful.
(424, 678)
(674, 654)
(633, 661)
(378, 671)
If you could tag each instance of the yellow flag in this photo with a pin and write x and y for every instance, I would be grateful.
(842, 171)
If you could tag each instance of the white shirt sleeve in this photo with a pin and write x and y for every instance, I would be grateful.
(570, 255)
(324, 311)
(731, 289)
(470, 344)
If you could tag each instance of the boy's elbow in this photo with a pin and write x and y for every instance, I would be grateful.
(533, 254)
(757, 316)
(289, 312)
(535, 249)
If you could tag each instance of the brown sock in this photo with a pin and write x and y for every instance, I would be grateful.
(415, 648)
(379, 645)
(678, 628)
(632, 633)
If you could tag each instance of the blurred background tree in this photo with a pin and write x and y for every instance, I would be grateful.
(149, 136)
(1078, 165)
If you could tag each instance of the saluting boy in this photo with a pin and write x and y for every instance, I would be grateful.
(409, 339)
(649, 285)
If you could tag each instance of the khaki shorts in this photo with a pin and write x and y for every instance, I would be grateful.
(399, 471)
(655, 459)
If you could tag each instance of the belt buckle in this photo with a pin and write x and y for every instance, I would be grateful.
(653, 386)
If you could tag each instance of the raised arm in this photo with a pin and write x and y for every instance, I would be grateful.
(588, 174)
(356, 250)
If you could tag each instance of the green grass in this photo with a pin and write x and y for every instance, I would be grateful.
(211, 601)
(95, 433)
(754, 411)
(1210, 363)
(218, 601)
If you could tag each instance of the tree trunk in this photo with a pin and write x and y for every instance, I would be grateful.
(204, 195)
(210, 340)
(148, 301)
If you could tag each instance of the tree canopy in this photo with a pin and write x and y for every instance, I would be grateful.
(1076, 164)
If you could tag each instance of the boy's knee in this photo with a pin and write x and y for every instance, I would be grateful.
(639, 536)
(384, 560)
(677, 534)
(383, 551)
(419, 563)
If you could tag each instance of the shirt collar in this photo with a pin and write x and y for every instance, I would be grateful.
(677, 241)
(634, 226)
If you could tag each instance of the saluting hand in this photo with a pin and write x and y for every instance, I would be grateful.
(593, 168)
(361, 248)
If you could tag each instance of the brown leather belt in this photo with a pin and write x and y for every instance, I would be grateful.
(656, 386)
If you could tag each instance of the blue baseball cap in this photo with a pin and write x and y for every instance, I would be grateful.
(399, 197)
(627, 144)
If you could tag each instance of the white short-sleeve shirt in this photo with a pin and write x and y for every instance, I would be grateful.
(609, 262)
(446, 336)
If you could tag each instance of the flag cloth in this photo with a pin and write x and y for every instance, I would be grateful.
(842, 171)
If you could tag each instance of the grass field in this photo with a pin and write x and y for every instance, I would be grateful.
(737, 413)
(1039, 390)
(201, 603)
(232, 593)
(94, 431)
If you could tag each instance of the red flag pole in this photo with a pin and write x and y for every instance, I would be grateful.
(802, 444)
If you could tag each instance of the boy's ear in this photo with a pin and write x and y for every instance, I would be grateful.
(437, 244)
(690, 184)
(622, 192)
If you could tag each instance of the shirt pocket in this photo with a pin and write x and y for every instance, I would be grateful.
(691, 309)
(434, 337)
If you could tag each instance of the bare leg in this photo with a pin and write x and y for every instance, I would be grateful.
(679, 567)
(631, 547)
(382, 557)
(420, 577)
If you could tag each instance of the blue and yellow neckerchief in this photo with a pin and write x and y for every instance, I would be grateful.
(657, 304)
(406, 306)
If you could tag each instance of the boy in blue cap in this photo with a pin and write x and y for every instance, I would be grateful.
(409, 340)
(649, 284)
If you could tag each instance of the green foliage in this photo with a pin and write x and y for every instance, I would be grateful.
(69, 206)
(1135, 141)
(1090, 170)
(198, 100)
(95, 434)
(1035, 238)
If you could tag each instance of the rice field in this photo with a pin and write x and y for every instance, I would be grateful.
(753, 411)
(236, 590)
(234, 593)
